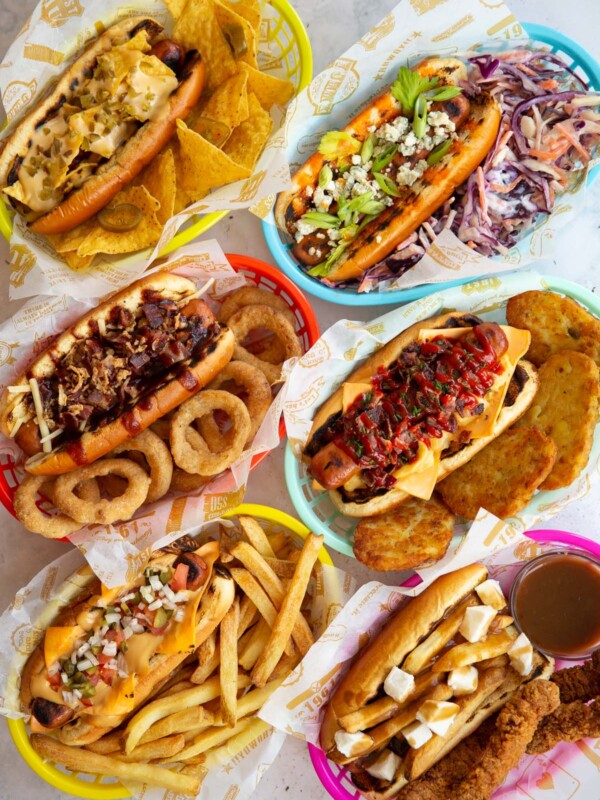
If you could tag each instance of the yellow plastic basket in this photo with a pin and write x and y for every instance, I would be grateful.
(290, 41)
(99, 787)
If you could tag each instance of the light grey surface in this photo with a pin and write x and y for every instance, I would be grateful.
(333, 25)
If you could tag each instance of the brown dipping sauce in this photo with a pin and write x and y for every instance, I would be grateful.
(556, 603)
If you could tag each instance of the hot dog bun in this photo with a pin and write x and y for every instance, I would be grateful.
(129, 159)
(415, 204)
(83, 593)
(182, 383)
(523, 383)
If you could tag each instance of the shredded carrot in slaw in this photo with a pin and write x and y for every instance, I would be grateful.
(574, 141)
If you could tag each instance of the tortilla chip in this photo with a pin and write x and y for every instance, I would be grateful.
(160, 181)
(175, 7)
(227, 17)
(248, 140)
(248, 9)
(215, 132)
(198, 28)
(269, 89)
(78, 263)
(228, 103)
(204, 165)
(69, 241)
(145, 234)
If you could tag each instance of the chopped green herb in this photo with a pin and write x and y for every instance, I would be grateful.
(408, 86)
(386, 184)
(439, 152)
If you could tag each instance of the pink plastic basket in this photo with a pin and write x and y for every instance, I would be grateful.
(336, 778)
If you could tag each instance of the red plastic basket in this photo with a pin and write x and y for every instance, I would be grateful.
(265, 277)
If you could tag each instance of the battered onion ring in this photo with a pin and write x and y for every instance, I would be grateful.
(158, 456)
(29, 514)
(105, 511)
(253, 296)
(251, 317)
(190, 451)
(183, 481)
(86, 490)
(258, 402)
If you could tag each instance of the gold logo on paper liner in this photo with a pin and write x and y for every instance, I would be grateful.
(21, 262)
(136, 563)
(39, 52)
(451, 257)
(6, 356)
(335, 84)
(25, 638)
(19, 600)
(318, 353)
(475, 287)
(49, 583)
(56, 12)
(250, 188)
(176, 515)
(424, 6)
(17, 95)
(262, 208)
(371, 39)
(217, 504)
(590, 753)
(461, 23)
(313, 689)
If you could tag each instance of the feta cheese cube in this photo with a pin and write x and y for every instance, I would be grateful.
(389, 132)
(521, 655)
(399, 684)
(476, 622)
(490, 593)
(385, 767)
(463, 680)
(356, 159)
(438, 715)
(350, 744)
(416, 734)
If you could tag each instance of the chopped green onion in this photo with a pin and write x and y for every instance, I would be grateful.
(374, 208)
(383, 159)
(321, 219)
(325, 175)
(323, 269)
(444, 93)
(367, 149)
(386, 184)
(420, 118)
(338, 144)
(439, 152)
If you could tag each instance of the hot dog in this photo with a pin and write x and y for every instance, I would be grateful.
(110, 113)
(113, 373)
(403, 704)
(417, 409)
(375, 182)
(105, 653)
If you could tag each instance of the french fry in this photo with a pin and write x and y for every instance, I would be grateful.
(256, 536)
(284, 666)
(500, 622)
(279, 542)
(110, 743)
(464, 654)
(207, 649)
(250, 586)
(258, 567)
(385, 707)
(166, 747)
(289, 611)
(179, 722)
(255, 645)
(163, 707)
(491, 663)
(236, 743)
(79, 760)
(213, 737)
(203, 673)
(429, 648)
(248, 613)
(283, 569)
(176, 688)
(228, 648)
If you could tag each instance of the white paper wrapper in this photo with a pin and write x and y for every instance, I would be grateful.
(55, 31)
(569, 770)
(114, 551)
(413, 30)
(36, 605)
(341, 348)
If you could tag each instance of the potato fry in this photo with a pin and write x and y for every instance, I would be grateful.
(248, 613)
(180, 686)
(203, 673)
(213, 737)
(250, 586)
(179, 722)
(110, 743)
(464, 654)
(430, 647)
(207, 649)
(256, 536)
(285, 665)
(279, 543)
(289, 611)
(254, 646)
(236, 743)
(228, 648)
(257, 566)
(158, 748)
(491, 663)
(79, 760)
(500, 622)
(158, 709)
(283, 569)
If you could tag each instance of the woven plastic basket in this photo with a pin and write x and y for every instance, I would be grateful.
(584, 64)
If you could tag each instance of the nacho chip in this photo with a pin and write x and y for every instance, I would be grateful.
(204, 165)
(175, 7)
(145, 234)
(215, 132)
(248, 140)
(69, 241)
(248, 9)
(159, 179)
(198, 28)
(236, 28)
(228, 103)
(269, 89)
(78, 263)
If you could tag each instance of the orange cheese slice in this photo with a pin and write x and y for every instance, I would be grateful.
(181, 636)
(350, 391)
(120, 700)
(59, 642)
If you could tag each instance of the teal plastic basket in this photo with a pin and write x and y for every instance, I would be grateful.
(575, 56)
(317, 511)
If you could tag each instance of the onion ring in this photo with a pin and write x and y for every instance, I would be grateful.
(86, 490)
(105, 511)
(251, 317)
(158, 456)
(54, 527)
(183, 481)
(258, 402)
(253, 296)
(190, 451)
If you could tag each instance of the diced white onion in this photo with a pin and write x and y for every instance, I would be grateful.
(84, 664)
(155, 605)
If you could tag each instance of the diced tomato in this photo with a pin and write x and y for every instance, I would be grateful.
(103, 659)
(85, 702)
(94, 679)
(158, 631)
(115, 635)
(179, 579)
(107, 675)
(55, 680)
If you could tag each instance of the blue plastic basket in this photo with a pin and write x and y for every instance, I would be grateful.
(584, 64)
(317, 511)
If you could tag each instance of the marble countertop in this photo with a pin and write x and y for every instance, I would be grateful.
(577, 256)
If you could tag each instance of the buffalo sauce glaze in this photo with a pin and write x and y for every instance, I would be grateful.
(557, 605)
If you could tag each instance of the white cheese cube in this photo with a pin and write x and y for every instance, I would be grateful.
(521, 655)
(438, 715)
(399, 684)
(476, 622)
(490, 593)
(416, 734)
(350, 744)
(463, 680)
(385, 767)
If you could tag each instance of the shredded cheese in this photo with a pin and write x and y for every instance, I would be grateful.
(18, 389)
(39, 411)
(52, 435)
(16, 427)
